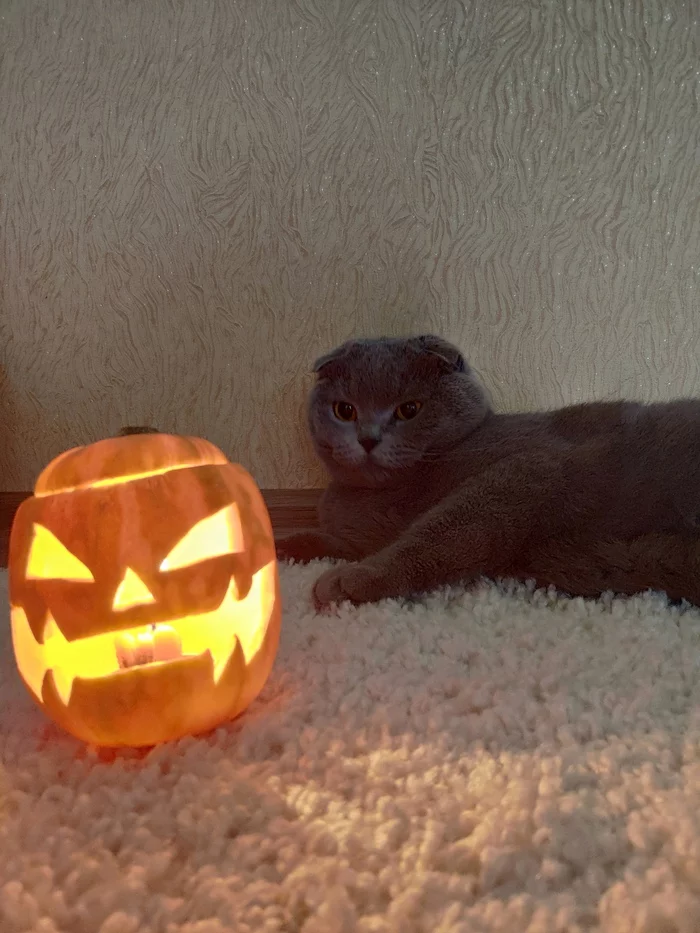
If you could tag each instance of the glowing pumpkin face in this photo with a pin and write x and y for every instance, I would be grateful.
(144, 590)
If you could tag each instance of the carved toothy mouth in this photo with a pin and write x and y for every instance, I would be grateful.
(214, 633)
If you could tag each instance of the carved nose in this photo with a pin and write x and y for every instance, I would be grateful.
(132, 591)
(369, 443)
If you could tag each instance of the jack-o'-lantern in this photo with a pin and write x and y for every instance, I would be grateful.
(144, 595)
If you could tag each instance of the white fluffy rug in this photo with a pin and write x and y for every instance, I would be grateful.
(486, 761)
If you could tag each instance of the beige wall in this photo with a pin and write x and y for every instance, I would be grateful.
(198, 197)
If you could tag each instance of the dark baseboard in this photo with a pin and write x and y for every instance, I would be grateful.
(290, 510)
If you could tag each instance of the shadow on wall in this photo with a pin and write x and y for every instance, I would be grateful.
(24, 421)
(9, 425)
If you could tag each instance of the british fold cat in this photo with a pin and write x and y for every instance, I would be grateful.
(430, 486)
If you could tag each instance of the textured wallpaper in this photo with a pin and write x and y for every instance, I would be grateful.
(198, 197)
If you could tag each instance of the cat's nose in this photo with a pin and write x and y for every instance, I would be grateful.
(369, 443)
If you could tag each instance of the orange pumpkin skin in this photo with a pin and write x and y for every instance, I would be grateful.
(119, 508)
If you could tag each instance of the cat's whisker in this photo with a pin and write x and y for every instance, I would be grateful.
(440, 456)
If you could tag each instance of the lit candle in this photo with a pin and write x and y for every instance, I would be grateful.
(125, 645)
(167, 645)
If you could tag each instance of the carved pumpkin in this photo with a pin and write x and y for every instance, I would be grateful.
(144, 590)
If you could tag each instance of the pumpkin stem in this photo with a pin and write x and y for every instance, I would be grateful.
(136, 429)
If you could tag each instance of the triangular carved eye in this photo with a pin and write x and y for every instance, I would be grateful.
(132, 591)
(214, 536)
(51, 560)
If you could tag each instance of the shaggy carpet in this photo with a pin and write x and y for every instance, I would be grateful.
(494, 760)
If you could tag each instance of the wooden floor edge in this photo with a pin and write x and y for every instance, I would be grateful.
(290, 510)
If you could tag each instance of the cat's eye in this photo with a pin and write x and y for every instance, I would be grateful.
(408, 410)
(344, 411)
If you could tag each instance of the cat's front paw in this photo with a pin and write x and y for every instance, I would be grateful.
(357, 583)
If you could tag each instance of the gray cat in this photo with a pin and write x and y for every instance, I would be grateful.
(430, 486)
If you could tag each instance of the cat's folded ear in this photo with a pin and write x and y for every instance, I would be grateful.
(442, 351)
(324, 362)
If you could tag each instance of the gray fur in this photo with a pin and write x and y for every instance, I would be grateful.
(593, 497)
(375, 376)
